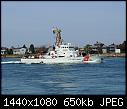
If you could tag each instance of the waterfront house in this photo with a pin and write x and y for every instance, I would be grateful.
(104, 49)
(98, 44)
(117, 50)
(94, 48)
(3, 50)
(97, 47)
(19, 51)
(111, 48)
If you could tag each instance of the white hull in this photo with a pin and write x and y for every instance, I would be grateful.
(53, 60)
(59, 60)
(94, 61)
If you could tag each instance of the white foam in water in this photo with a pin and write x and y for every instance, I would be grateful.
(11, 62)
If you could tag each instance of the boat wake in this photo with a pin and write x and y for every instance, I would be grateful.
(11, 62)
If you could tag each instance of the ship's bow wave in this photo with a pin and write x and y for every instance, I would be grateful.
(11, 62)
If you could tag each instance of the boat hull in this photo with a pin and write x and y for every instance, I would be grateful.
(53, 60)
(94, 61)
(59, 60)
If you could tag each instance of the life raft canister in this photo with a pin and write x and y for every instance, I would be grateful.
(86, 58)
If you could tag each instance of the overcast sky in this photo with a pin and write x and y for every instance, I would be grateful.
(81, 22)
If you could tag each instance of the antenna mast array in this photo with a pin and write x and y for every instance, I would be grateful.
(58, 36)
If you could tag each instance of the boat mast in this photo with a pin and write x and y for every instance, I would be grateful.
(58, 36)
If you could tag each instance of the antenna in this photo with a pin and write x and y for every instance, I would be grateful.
(57, 32)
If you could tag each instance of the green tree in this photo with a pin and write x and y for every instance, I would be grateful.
(24, 46)
(31, 49)
(100, 48)
(9, 51)
(88, 48)
(122, 47)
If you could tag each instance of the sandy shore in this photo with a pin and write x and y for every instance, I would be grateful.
(11, 56)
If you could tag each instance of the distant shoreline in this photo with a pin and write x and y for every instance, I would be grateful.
(11, 56)
(113, 55)
(103, 55)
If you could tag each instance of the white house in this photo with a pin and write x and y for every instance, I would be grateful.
(3, 50)
(104, 49)
(117, 50)
(19, 51)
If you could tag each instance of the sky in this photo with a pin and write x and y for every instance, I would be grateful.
(81, 22)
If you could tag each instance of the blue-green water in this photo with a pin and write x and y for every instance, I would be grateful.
(107, 78)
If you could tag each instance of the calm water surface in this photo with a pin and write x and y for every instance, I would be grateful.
(107, 78)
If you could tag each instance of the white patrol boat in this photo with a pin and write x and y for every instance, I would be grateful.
(61, 53)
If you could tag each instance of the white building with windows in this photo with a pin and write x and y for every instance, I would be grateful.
(19, 51)
(117, 50)
(3, 50)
